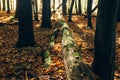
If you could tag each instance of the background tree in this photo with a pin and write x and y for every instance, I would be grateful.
(64, 7)
(8, 6)
(35, 9)
(46, 14)
(17, 9)
(4, 5)
(79, 7)
(0, 5)
(89, 9)
(70, 11)
(104, 53)
(26, 36)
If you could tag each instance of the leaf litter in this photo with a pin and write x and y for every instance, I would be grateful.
(27, 64)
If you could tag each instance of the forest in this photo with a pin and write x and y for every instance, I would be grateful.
(59, 40)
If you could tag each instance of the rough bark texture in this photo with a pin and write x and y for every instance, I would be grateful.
(26, 35)
(104, 53)
(75, 68)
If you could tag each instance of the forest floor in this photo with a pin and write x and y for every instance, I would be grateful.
(26, 63)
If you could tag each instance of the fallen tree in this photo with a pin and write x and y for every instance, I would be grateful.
(75, 68)
(46, 56)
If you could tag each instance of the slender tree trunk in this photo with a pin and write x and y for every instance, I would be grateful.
(64, 7)
(3, 5)
(46, 14)
(8, 6)
(36, 11)
(79, 7)
(89, 9)
(53, 4)
(70, 11)
(26, 35)
(0, 5)
(76, 7)
(94, 9)
(105, 35)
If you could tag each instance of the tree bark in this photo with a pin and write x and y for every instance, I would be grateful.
(75, 68)
(26, 35)
(105, 35)
(46, 14)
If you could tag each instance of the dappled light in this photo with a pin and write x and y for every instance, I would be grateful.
(58, 40)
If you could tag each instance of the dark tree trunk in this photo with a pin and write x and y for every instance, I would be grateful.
(46, 14)
(36, 10)
(118, 16)
(104, 52)
(89, 9)
(79, 7)
(17, 8)
(8, 6)
(64, 7)
(3, 5)
(70, 11)
(26, 35)
(0, 5)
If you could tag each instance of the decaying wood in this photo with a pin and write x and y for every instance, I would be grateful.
(75, 68)
(46, 55)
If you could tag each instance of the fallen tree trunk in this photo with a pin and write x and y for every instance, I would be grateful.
(46, 55)
(75, 68)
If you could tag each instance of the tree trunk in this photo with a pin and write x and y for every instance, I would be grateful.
(64, 7)
(53, 4)
(4, 5)
(118, 16)
(8, 6)
(104, 52)
(26, 35)
(36, 10)
(0, 5)
(75, 68)
(79, 7)
(17, 8)
(89, 9)
(70, 11)
(46, 14)
(76, 7)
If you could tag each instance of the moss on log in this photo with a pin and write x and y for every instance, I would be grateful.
(46, 55)
(75, 68)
